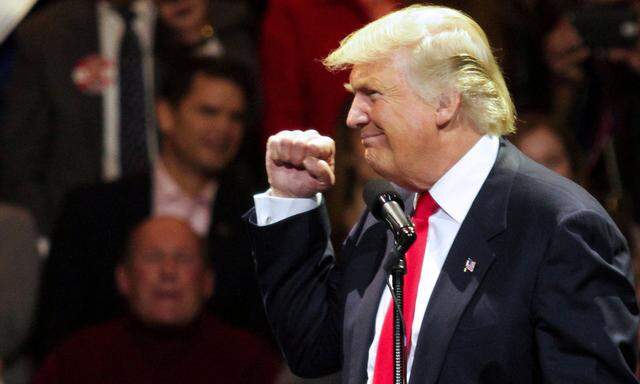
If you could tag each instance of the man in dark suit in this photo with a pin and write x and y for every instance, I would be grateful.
(197, 177)
(517, 276)
(63, 113)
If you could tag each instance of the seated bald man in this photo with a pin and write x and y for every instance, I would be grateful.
(166, 338)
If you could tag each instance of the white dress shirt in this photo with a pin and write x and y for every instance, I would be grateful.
(110, 31)
(454, 192)
(169, 199)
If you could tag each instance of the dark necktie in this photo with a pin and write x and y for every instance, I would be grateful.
(383, 371)
(134, 155)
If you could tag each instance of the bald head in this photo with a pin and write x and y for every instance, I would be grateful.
(163, 232)
(164, 276)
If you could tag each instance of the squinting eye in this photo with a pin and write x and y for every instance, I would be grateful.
(209, 111)
(185, 258)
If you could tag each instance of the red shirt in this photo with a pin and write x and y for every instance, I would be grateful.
(123, 351)
(299, 92)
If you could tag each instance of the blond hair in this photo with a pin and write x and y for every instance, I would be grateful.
(447, 49)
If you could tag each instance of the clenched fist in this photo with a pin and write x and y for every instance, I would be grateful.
(300, 163)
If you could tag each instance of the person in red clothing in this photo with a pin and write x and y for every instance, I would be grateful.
(166, 338)
(298, 92)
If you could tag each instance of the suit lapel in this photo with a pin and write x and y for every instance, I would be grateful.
(364, 300)
(451, 295)
(455, 287)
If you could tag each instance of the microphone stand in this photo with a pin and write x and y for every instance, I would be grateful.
(404, 239)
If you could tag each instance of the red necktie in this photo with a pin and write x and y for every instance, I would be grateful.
(383, 371)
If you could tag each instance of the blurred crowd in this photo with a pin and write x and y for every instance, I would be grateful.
(131, 143)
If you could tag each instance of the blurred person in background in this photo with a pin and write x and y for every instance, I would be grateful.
(198, 176)
(80, 101)
(593, 51)
(537, 137)
(213, 29)
(207, 28)
(19, 273)
(166, 278)
(296, 35)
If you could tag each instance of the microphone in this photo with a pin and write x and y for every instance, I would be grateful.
(385, 204)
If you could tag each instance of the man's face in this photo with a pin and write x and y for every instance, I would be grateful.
(397, 127)
(205, 129)
(165, 279)
(545, 146)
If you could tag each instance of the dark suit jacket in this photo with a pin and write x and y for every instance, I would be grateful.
(78, 287)
(52, 138)
(549, 301)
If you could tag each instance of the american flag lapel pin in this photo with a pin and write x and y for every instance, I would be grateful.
(469, 265)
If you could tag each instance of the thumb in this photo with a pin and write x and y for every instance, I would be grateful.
(321, 171)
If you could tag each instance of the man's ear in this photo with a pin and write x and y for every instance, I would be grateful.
(448, 106)
(165, 115)
(122, 280)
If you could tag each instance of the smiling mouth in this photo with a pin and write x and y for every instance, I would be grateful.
(167, 295)
(369, 139)
(369, 135)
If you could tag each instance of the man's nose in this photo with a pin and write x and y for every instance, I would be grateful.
(358, 115)
(169, 267)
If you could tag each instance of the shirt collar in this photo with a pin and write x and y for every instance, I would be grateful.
(169, 189)
(456, 190)
(144, 9)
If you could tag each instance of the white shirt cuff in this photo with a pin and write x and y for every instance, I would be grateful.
(271, 209)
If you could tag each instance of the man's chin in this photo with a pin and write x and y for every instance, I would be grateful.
(378, 165)
(168, 321)
(216, 164)
(210, 170)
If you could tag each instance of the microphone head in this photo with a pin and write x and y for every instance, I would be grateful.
(378, 192)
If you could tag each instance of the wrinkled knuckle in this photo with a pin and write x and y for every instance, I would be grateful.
(298, 142)
(286, 141)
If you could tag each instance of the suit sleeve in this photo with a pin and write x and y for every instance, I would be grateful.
(298, 281)
(26, 132)
(586, 315)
